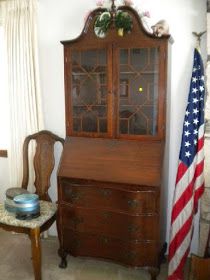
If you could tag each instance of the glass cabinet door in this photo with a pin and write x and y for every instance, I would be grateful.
(89, 91)
(138, 91)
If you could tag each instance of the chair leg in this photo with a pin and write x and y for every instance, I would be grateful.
(36, 252)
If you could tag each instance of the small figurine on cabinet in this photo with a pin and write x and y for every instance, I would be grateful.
(160, 28)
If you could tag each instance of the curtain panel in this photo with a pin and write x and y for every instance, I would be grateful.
(205, 201)
(19, 23)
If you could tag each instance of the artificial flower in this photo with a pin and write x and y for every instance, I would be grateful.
(100, 3)
(128, 2)
(145, 14)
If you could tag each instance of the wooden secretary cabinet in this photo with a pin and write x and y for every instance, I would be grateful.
(109, 179)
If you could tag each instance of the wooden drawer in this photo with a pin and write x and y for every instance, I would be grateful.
(131, 253)
(115, 224)
(132, 199)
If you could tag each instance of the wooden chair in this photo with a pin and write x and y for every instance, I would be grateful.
(199, 268)
(43, 166)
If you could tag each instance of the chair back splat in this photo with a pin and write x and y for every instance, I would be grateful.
(44, 161)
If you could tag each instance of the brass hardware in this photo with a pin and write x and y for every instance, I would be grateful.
(106, 215)
(129, 256)
(105, 192)
(105, 240)
(74, 195)
(133, 228)
(76, 221)
(76, 244)
(133, 203)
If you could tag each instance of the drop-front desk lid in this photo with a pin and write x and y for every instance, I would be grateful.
(112, 160)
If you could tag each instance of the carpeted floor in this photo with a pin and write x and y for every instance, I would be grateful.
(15, 263)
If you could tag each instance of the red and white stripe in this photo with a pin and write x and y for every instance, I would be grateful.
(188, 190)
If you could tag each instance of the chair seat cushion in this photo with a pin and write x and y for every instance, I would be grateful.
(47, 210)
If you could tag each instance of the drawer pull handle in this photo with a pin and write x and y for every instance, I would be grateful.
(130, 256)
(77, 221)
(76, 244)
(104, 240)
(106, 215)
(74, 196)
(133, 203)
(105, 193)
(133, 228)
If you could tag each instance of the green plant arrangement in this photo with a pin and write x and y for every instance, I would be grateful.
(102, 24)
(122, 22)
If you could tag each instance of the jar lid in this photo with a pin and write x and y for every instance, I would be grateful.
(12, 192)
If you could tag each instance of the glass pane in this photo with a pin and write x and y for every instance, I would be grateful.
(77, 124)
(103, 125)
(139, 58)
(89, 122)
(89, 91)
(138, 92)
(124, 56)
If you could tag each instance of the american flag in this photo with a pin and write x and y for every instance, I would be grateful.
(190, 176)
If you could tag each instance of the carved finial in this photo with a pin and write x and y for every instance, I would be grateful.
(113, 7)
(113, 11)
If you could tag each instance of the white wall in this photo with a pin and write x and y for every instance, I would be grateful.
(64, 19)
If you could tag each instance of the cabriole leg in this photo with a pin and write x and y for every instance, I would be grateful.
(62, 253)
